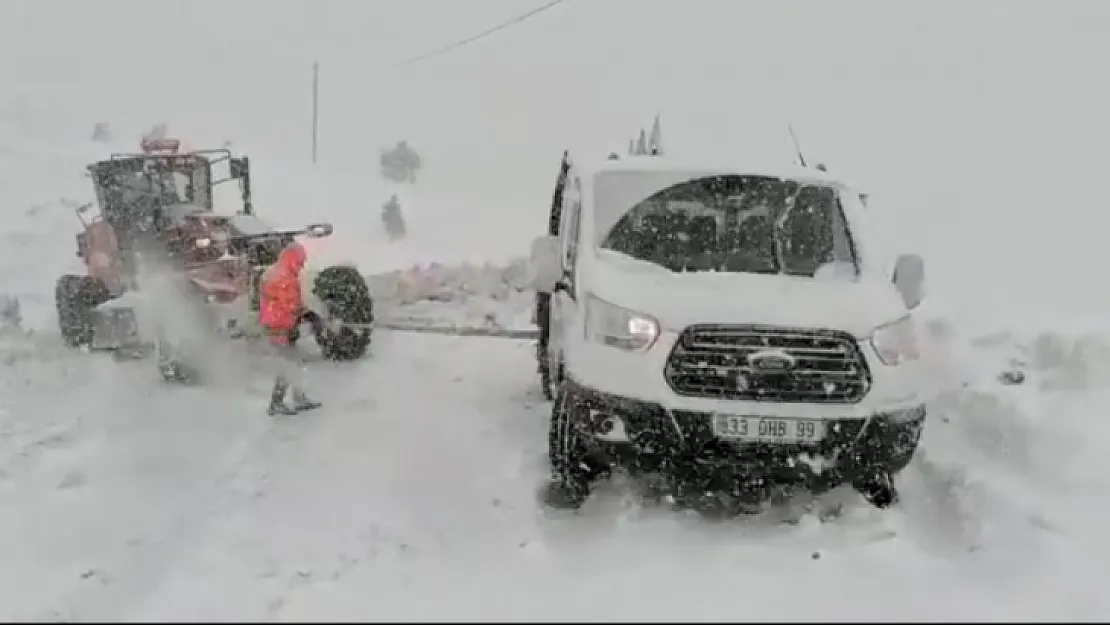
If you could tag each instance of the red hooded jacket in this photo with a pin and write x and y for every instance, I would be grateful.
(279, 293)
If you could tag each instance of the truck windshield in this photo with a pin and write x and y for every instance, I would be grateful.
(745, 224)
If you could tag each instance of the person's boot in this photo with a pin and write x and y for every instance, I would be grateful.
(301, 402)
(277, 400)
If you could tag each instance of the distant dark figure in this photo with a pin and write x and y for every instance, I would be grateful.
(401, 163)
(10, 316)
(393, 219)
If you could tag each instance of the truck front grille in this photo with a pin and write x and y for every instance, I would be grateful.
(713, 361)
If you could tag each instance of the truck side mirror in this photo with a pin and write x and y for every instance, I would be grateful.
(909, 279)
(546, 269)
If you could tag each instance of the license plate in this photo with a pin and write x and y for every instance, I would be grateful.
(768, 429)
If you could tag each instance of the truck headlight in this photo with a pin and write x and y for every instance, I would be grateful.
(896, 342)
(618, 327)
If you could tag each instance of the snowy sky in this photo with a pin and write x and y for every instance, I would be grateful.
(999, 103)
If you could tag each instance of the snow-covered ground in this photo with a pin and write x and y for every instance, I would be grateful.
(411, 494)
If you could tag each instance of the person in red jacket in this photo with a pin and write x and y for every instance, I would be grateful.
(279, 312)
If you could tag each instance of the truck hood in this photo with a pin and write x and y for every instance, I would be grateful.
(677, 300)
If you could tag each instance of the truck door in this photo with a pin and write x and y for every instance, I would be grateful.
(543, 300)
(564, 299)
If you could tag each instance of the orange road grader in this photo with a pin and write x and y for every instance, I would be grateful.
(156, 211)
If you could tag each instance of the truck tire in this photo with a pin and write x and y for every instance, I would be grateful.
(543, 322)
(75, 297)
(574, 465)
(346, 295)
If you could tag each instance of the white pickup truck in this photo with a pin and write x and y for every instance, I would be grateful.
(727, 325)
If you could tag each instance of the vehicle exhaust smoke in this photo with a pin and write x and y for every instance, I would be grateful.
(188, 330)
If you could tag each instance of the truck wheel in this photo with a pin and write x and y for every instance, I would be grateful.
(551, 380)
(546, 382)
(543, 322)
(346, 295)
(877, 490)
(75, 297)
(885, 450)
(575, 466)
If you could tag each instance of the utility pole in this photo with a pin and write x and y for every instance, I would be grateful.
(315, 108)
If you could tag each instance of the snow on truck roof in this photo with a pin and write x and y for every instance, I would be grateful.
(649, 164)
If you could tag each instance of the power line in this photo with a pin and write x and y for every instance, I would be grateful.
(481, 35)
